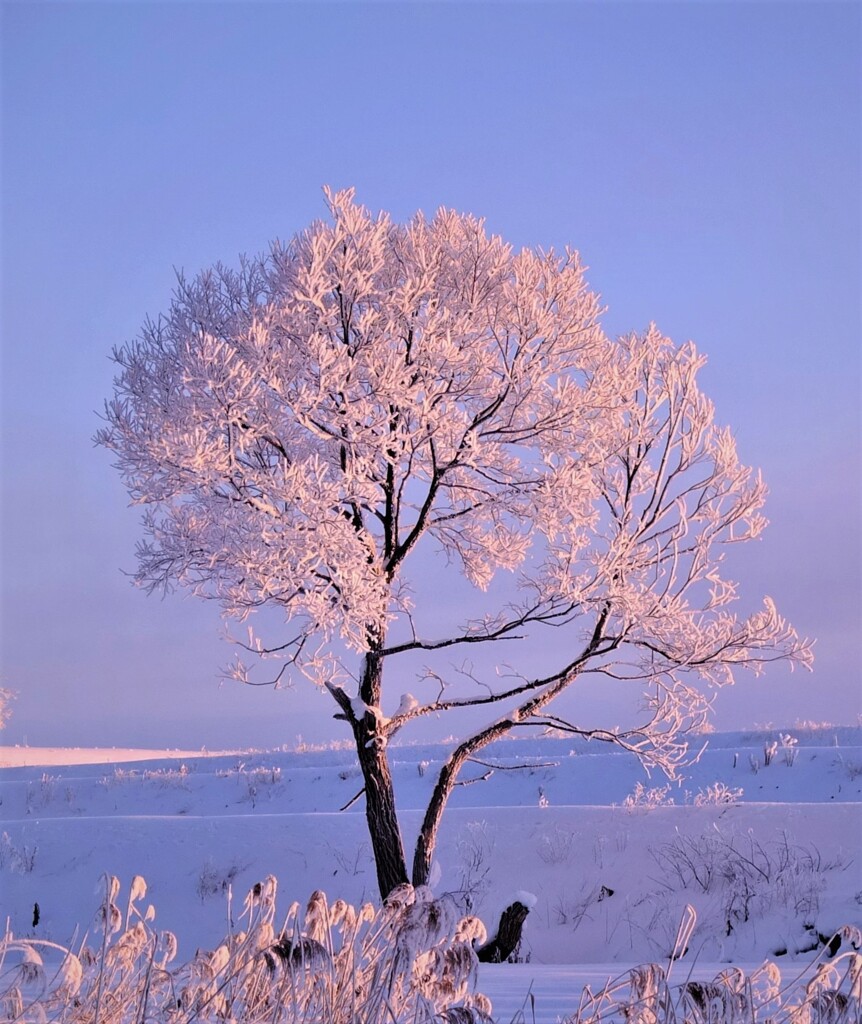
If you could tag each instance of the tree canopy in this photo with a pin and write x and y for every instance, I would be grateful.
(297, 428)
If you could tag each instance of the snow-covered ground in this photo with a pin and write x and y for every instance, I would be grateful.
(768, 873)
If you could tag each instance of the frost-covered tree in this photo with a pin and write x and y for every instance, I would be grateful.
(6, 699)
(300, 429)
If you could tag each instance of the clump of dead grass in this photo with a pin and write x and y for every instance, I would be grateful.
(410, 960)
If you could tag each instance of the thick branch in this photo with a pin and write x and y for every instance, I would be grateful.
(549, 688)
(402, 550)
(527, 686)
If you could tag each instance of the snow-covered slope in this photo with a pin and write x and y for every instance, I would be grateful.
(767, 872)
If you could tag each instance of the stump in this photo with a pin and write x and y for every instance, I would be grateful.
(505, 942)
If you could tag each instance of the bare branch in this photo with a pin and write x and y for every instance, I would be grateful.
(514, 767)
(352, 800)
(553, 616)
(479, 778)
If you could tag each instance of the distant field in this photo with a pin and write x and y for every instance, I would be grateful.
(49, 757)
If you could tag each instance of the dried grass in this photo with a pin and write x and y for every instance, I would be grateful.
(408, 962)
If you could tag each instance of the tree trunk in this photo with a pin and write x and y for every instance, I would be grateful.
(380, 810)
(505, 942)
(379, 792)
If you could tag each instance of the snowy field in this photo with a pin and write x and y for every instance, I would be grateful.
(768, 854)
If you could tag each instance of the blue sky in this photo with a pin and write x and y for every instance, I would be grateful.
(704, 158)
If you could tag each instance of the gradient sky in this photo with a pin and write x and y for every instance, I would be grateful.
(704, 158)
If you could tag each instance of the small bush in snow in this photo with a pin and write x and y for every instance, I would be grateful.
(642, 798)
(573, 910)
(260, 781)
(215, 881)
(119, 776)
(257, 782)
(354, 864)
(168, 778)
(475, 847)
(556, 847)
(851, 769)
(20, 859)
(717, 793)
(41, 794)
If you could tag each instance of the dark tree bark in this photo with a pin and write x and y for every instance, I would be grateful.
(505, 942)
(427, 838)
(380, 810)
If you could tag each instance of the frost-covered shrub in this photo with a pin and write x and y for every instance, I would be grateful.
(261, 781)
(164, 778)
(301, 747)
(572, 910)
(850, 768)
(40, 795)
(789, 749)
(475, 846)
(642, 798)
(787, 744)
(353, 861)
(718, 793)
(119, 776)
(410, 961)
(168, 778)
(257, 782)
